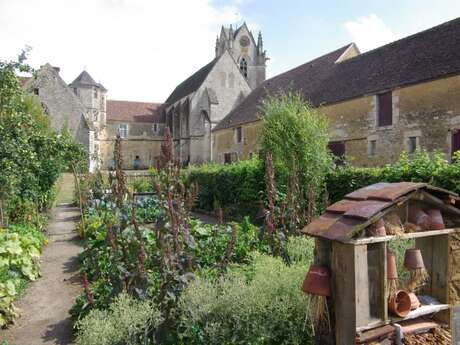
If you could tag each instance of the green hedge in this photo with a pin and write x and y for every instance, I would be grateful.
(240, 186)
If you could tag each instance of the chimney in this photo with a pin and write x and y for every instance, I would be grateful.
(57, 69)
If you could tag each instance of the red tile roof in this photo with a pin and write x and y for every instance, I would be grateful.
(127, 111)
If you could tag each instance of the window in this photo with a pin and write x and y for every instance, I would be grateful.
(227, 158)
(411, 144)
(95, 93)
(239, 135)
(384, 109)
(36, 91)
(372, 148)
(338, 150)
(123, 130)
(455, 141)
(244, 67)
(155, 128)
(75, 91)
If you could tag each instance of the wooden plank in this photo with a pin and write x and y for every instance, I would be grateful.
(407, 236)
(362, 286)
(430, 199)
(439, 274)
(422, 311)
(455, 325)
(343, 282)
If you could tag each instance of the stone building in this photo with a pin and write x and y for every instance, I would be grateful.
(201, 101)
(399, 97)
(63, 107)
(140, 125)
(82, 107)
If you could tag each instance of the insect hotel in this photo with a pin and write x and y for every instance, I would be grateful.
(358, 297)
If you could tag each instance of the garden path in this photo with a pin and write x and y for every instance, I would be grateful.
(45, 306)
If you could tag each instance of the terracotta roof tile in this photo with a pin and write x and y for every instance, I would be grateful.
(128, 111)
(343, 219)
(427, 55)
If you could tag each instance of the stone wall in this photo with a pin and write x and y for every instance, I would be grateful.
(224, 141)
(428, 111)
(141, 141)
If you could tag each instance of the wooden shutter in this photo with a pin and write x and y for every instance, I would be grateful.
(455, 141)
(338, 150)
(385, 109)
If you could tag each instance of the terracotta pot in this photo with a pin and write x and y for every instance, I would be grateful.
(377, 229)
(419, 217)
(413, 259)
(414, 302)
(317, 281)
(400, 303)
(436, 220)
(392, 269)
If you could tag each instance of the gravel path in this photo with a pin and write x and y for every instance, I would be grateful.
(45, 306)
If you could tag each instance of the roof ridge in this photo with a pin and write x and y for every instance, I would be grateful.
(405, 38)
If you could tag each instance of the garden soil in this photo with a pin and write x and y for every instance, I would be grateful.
(45, 306)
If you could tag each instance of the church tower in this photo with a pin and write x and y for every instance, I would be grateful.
(248, 54)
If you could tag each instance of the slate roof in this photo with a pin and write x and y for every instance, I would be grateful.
(127, 111)
(427, 55)
(85, 79)
(341, 219)
(191, 84)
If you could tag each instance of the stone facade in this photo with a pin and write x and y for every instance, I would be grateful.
(62, 107)
(249, 55)
(192, 118)
(379, 103)
(428, 112)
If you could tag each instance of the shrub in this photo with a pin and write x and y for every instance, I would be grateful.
(127, 321)
(257, 304)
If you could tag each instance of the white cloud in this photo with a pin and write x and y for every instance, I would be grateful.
(370, 32)
(138, 49)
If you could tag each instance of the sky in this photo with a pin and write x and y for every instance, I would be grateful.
(141, 49)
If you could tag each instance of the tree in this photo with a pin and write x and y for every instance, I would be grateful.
(296, 137)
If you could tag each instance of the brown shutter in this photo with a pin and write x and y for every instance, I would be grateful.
(385, 109)
(455, 141)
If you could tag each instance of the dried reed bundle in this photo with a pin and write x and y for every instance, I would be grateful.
(319, 313)
(392, 286)
(393, 225)
(417, 279)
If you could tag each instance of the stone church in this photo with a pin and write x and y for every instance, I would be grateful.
(202, 100)
(191, 111)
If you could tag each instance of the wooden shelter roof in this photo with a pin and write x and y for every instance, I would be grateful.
(343, 219)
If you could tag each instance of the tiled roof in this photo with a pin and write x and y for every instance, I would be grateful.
(23, 80)
(128, 111)
(427, 55)
(84, 79)
(191, 84)
(357, 209)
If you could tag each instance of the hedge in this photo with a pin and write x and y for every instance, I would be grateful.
(240, 186)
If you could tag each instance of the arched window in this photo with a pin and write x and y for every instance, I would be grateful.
(244, 67)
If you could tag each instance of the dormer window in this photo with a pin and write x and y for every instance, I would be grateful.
(385, 109)
(123, 130)
(244, 67)
(95, 93)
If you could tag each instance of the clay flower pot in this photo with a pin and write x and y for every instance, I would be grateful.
(317, 281)
(414, 302)
(400, 303)
(392, 270)
(436, 220)
(377, 229)
(413, 259)
(420, 218)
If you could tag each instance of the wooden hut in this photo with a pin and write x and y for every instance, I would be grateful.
(357, 260)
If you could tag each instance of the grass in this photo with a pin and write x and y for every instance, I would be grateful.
(66, 187)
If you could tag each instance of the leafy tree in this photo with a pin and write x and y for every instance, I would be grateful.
(32, 155)
(296, 136)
